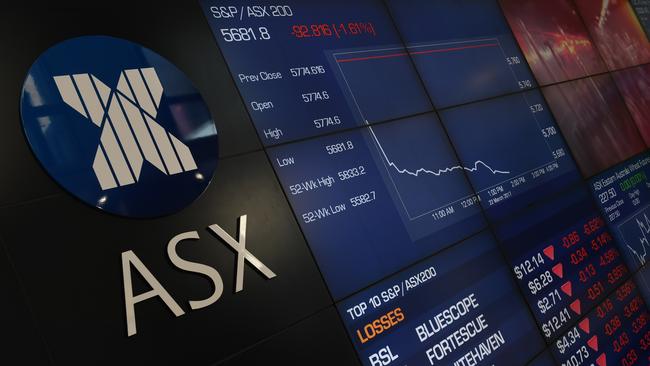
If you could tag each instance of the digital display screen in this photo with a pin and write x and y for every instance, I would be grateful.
(633, 84)
(553, 38)
(642, 10)
(460, 307)
(374, 200)
(617, 32)
(564, 258)
(623, 194)
(531, 159)
(338, 65)
(595, 122)
(616, 332)
(456, 43)
(469, 175)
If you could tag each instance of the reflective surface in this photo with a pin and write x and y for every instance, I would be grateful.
(118, 126)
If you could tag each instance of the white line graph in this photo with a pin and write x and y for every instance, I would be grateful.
(637, 242)
(644, 228)
(477, 164)
(388, 163)
(437, 173)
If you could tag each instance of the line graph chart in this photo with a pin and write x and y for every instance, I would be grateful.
(644, 229)
(439, 172)
(411, 51)
(530, 149)
(428, 197)
(384, 196)
(389, 81)
(635, 232)
(419, 164)
(447, 170)
(519, 133)
(356, 66)
(356, 69)
(623, 196)
(447, 86)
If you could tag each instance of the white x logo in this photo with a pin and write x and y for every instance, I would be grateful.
(130, 133)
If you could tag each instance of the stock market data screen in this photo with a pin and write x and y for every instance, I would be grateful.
(616, 332)
(310, 68)
(531, 160)
(623, 194)
(469, 175)
(564, 258)
(373, 200)
(458, 308)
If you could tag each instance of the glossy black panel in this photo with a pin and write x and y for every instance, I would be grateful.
(69, 258)
(21, 343)
(177, 31)
(319, 340)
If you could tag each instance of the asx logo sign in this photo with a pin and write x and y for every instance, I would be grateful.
(130, 262)
(127, 117)
(146, 148)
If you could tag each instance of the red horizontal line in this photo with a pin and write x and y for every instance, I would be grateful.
(372, 57)
(454, 49)
(415, 53)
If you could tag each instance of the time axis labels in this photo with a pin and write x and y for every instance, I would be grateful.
(118, 126)
(518, 139)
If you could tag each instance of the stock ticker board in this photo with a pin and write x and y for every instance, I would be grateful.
(470, 179)
(475, 316)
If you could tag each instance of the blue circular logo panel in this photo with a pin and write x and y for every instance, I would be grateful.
(119, 126)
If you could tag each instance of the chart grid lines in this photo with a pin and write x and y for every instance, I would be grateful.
(388, 163)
